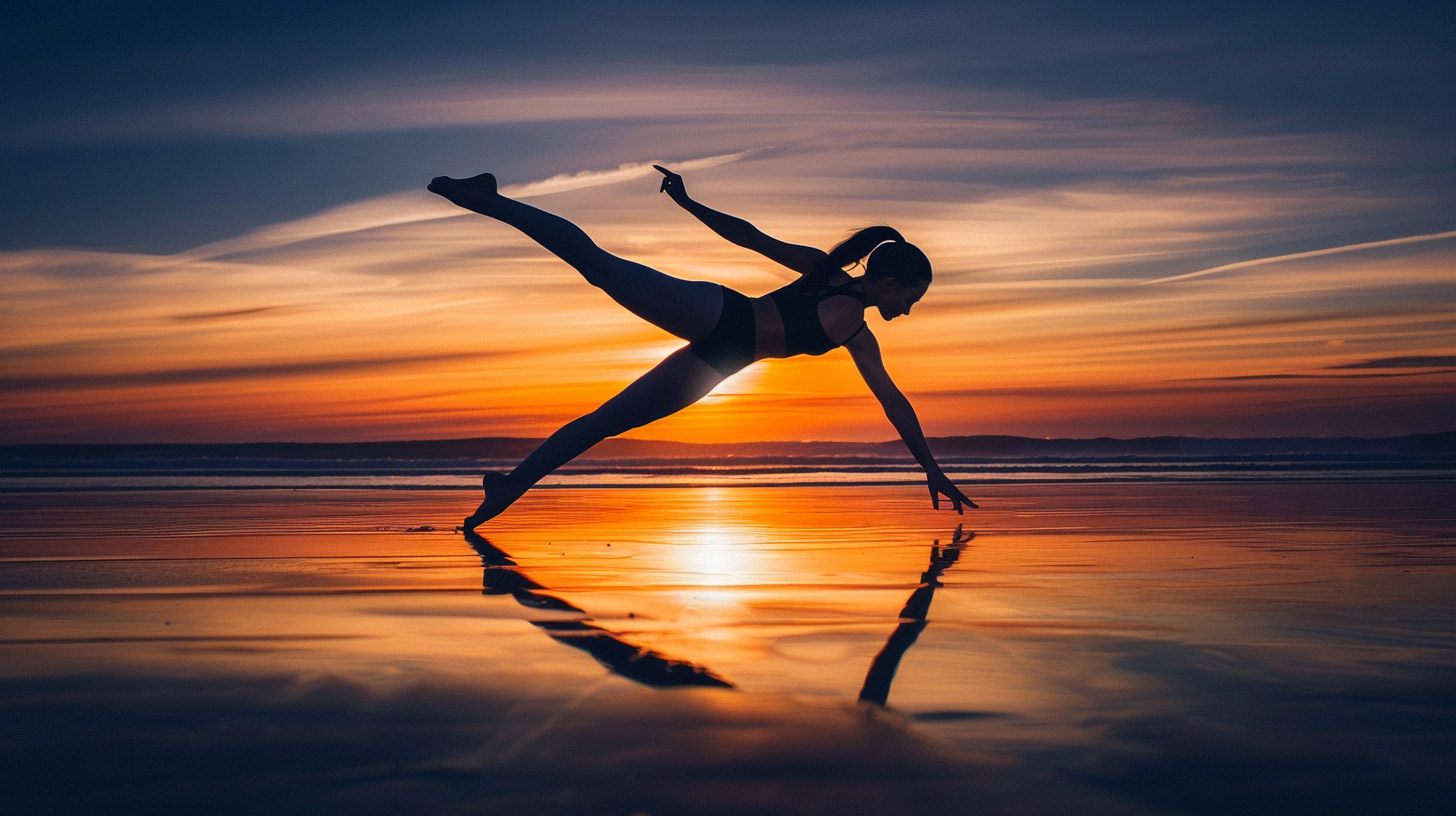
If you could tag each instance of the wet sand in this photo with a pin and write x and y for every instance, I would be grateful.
(1090, 648)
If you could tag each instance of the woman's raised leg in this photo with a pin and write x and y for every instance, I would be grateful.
(688, 309)
(672, 385)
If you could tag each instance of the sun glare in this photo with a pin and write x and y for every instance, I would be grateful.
(718, 551)
(718, 556)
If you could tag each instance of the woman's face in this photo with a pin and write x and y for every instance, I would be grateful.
(894, 300)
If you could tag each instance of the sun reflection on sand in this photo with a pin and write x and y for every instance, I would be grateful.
(718, 555)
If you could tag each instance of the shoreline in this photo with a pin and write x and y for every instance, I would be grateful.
(1283, 478)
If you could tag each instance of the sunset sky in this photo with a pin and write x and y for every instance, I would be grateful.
(1145, 219)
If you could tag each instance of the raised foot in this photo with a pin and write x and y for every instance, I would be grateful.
(499, 494)
(469, 193)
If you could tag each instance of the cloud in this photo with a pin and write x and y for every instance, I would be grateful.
(414, 206)
(410, 206)
(1410, 239)
(1331, 376)
(625, 172)
(1428, 361)
(185, 376)
(844, 106)
(229, 313)
(425, 101)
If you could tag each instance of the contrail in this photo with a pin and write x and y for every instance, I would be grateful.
(1410, 239)
(413, 206)
(625, 172)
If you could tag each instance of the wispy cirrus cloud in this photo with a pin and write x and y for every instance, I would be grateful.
(413, 206)
(1427, 361)
(562, 182)
(226, 313)
(424, 101)
(1332, 376)
(236, 373)
(1314, 253)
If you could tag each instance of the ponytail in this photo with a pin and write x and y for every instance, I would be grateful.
(850, 251)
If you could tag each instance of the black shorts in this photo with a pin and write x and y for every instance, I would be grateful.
(730, 345)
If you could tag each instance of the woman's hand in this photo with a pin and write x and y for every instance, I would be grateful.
(941, 486)
(672, 184)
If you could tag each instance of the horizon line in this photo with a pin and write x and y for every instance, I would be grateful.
(469, 439)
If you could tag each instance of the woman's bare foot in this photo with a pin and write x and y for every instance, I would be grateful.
(499, 494)
(472, 193)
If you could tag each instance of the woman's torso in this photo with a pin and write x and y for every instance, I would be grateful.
(790, 320)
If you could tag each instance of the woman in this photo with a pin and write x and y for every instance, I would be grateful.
(823, 309)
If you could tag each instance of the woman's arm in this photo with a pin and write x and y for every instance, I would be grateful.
(797, 257)
(865, 350)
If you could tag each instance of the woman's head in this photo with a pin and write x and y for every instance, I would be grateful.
(884, 251)
(900, 260)
(897, 273)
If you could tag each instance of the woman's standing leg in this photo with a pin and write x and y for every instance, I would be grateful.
(674, 384)
(688, 309)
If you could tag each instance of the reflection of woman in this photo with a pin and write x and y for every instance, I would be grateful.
(821, 310)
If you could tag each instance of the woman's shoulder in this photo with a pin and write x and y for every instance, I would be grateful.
(841, 317)
(843, 284)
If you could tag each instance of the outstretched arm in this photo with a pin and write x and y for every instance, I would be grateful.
(865, 350)
(797, 257)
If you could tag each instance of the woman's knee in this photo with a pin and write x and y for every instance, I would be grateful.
(608, 421)
(599, 267)
(628, 411)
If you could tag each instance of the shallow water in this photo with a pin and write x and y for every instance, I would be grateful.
(1118, 648)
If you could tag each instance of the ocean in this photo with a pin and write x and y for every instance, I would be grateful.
(457, 464)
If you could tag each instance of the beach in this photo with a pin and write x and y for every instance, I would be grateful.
(1098, 647)
(729, 291)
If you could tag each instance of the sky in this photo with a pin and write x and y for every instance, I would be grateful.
(1227, 220)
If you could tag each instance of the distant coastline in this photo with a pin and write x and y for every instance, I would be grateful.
(457, 463)
(509, 448)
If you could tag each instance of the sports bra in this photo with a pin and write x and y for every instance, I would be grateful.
(799, 309)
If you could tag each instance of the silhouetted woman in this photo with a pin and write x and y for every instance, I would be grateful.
(821, 310)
